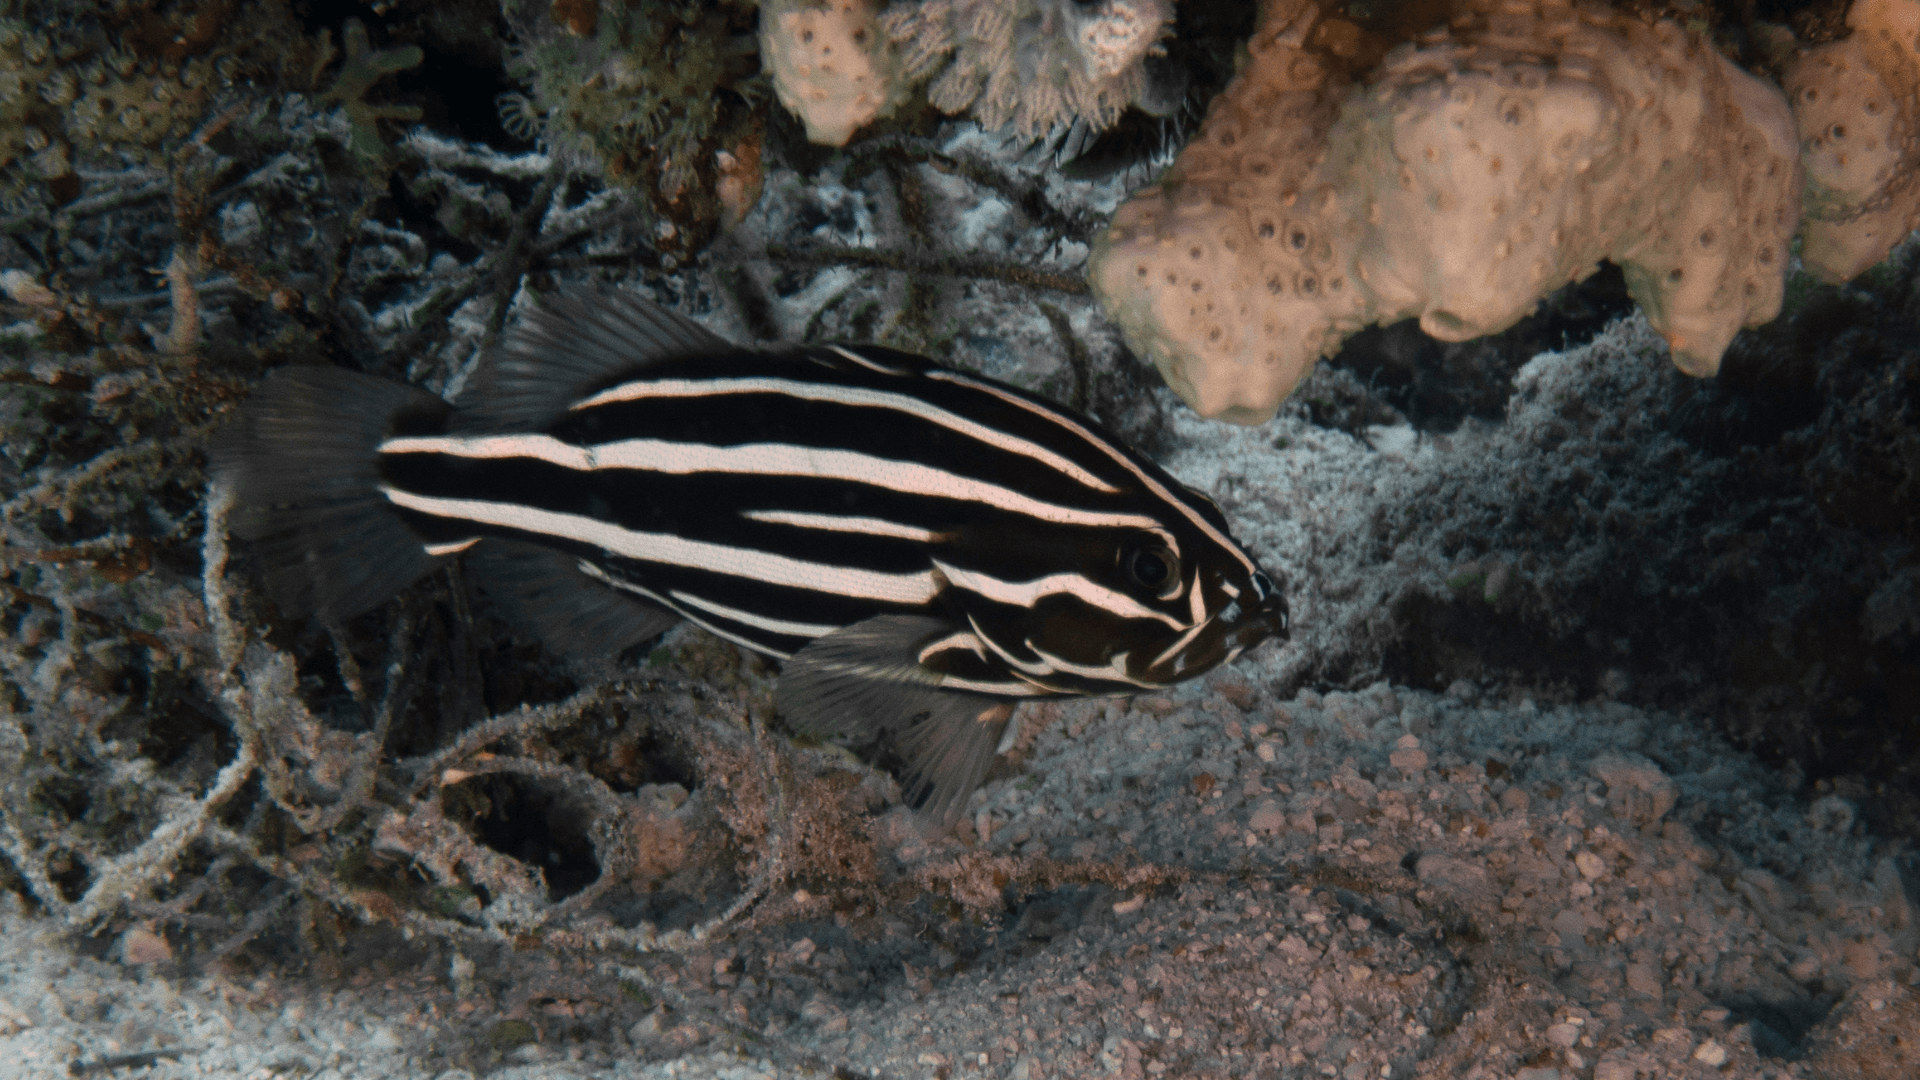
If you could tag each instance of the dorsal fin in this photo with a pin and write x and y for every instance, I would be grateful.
(568, 346)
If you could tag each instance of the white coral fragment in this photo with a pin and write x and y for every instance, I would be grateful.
(1479, 169)
(831, 65)
(1036, 65)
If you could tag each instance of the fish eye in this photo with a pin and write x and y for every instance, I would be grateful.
(1149, 563)
(1148, 568)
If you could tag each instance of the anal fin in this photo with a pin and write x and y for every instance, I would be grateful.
(865, 682)
(573, 613)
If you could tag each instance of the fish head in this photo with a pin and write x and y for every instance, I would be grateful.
(1222, 601)
(1116, 611)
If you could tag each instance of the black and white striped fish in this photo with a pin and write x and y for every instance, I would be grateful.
(921, 546)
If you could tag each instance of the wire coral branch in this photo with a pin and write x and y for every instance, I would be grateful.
(121, 878)
(958, 266)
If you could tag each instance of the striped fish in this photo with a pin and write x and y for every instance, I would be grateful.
(922, 547)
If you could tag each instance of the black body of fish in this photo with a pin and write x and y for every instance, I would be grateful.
(922, 547)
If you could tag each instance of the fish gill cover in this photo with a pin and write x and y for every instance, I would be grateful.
(1548, 595)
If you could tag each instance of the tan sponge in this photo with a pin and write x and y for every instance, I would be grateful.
(831, 63)
(1479, 168)
(1857, 102)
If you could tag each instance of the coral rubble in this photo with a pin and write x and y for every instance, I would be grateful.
(1478, 169)
(1857, 102)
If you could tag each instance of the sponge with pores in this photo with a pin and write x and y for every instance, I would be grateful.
(1857, 103)
(1480, 168)
(831, 64)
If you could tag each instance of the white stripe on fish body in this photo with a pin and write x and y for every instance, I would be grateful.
(869, 362)
(1112, 673)
(958, 641)
(1118, 454)
(1027, 593)
(783, 627)
(693, 617)
(834, 393)
(1044, 669)
(454, 548)
(1179, 643)
(763, 459)
(1007, 688)
(664, 548)
(865, 526)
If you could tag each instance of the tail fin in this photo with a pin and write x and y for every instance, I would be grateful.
(303, 464)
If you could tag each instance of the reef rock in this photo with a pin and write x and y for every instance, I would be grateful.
(1857, 103)
(1478, 169)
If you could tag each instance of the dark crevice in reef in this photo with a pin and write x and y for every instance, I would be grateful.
(1198, 64)
(1761, 566)
(1436, 385)
(539, 824)
(462, 71)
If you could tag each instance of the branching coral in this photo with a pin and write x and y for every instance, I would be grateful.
(1477, 170)
(1857, 102)
(1032, 64)
(364, 66)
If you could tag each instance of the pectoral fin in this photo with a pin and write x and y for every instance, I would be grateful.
(865, 682)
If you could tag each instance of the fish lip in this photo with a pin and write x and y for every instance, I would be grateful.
(1269, 620)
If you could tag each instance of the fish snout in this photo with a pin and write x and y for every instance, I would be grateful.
(1272, 613)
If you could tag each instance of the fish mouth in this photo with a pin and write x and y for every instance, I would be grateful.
(1219, 640)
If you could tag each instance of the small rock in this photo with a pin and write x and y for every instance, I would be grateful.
(648, 1028)
(1711, 1053)
(12, 1020)
(1673, 1035)
(1590, 865)
(1439, 869)
(1636, 788)
(1408, 761)
(142, 946)
(1268, 817)
(22, 288)
(1239, 692)
(1644, 979)
(1563, 1035)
